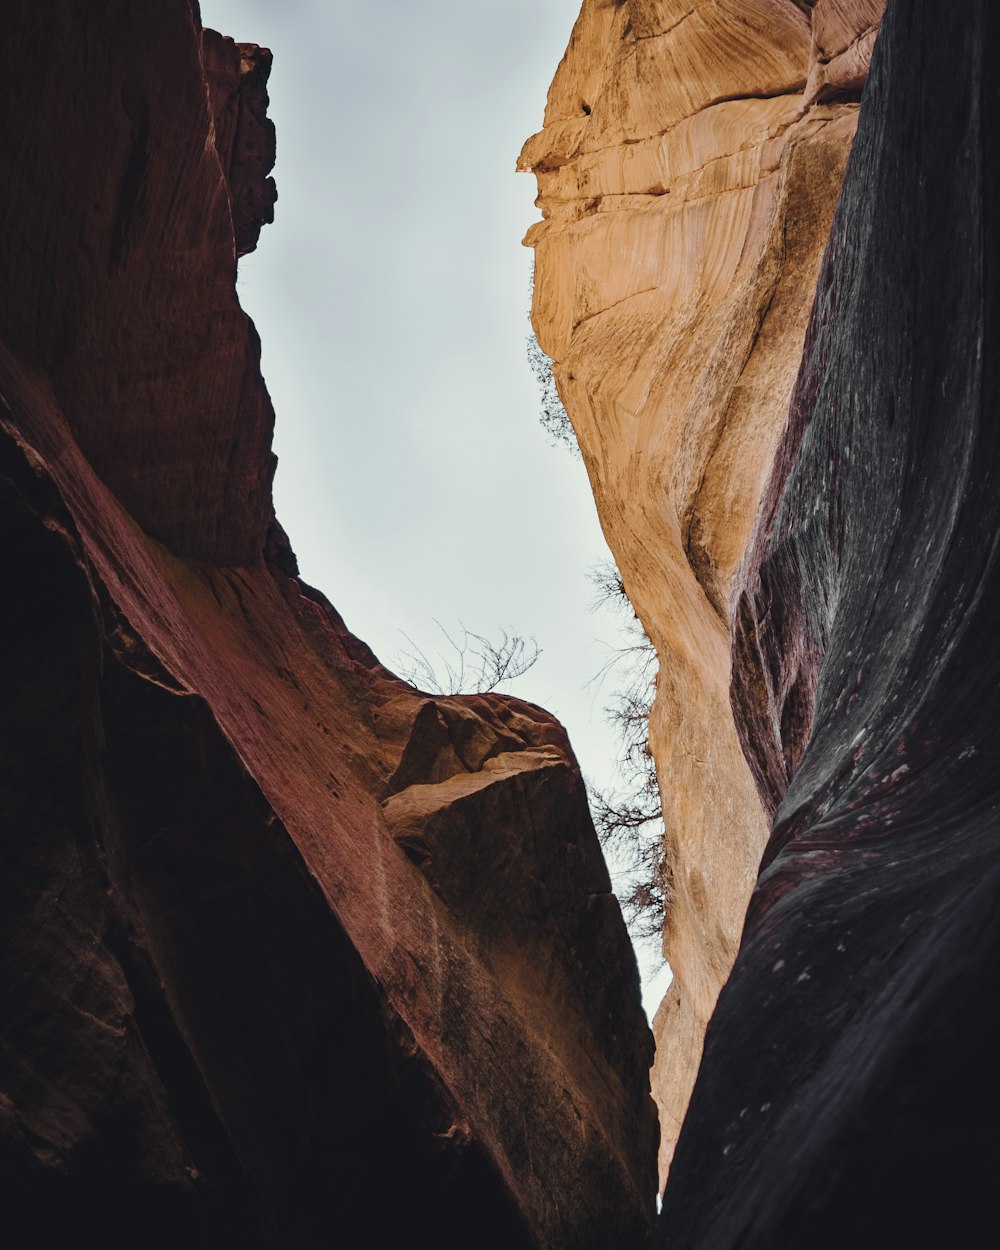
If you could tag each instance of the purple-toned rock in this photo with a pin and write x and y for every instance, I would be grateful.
(849, 1088)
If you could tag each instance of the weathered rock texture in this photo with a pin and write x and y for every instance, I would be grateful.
(849, 1088)
(688, 170)
(289, 949)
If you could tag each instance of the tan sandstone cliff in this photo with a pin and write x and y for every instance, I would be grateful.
(688, 169)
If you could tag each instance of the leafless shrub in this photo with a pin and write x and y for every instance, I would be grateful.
(471, 663)
(609, 590)
(629, 820)
(632, 833)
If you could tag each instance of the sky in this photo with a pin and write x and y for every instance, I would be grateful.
(391, 295)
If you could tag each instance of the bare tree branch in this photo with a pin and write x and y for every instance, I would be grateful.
(629, 822)
(471, 664)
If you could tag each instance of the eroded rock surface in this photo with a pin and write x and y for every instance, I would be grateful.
(688, 169)
(289, 948)
(849, 1086)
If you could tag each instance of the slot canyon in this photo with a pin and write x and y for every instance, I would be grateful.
(296, 955)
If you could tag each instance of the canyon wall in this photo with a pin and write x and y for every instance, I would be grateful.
(289, 949)
(688, 169)
(849, 1087)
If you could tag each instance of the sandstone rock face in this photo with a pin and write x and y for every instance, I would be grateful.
(688, 169)
(236, 75)
(849, 1085)
(289, 948)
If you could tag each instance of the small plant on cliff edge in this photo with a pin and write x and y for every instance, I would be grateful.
(471, 664)
(554, 417)
(629, 821)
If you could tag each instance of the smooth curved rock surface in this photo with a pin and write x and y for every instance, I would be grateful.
(688, 169)
(849, 1085)
(289, 948)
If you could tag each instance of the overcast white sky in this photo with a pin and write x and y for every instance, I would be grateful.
(391, 296)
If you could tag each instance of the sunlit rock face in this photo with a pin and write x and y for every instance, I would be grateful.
(849, 1087)
(688, 169)
(289, 949)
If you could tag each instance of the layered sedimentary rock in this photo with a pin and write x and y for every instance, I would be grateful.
(688, 170)
(289, 949)
(849, 1086)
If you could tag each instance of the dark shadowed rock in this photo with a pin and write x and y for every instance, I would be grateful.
(849, 1087)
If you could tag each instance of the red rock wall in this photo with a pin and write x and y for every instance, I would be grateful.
(288, 945)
